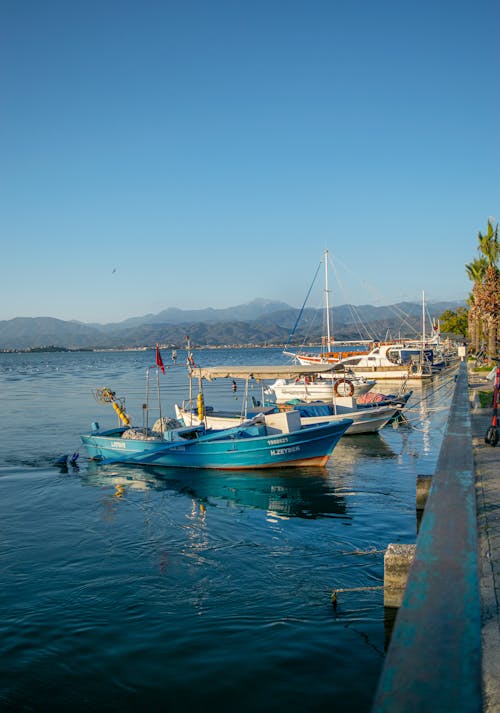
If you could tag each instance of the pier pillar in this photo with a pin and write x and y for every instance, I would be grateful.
(397, 562)
(424, 483)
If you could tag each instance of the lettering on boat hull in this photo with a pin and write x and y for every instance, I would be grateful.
(284, 451)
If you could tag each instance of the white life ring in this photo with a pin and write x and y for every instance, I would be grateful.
(347, 386)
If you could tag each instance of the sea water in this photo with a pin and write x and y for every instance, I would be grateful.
(146, 589)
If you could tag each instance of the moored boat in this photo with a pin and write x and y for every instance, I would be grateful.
(327, 355)
(320, 387)
(390, 361)
(364, 420)
(267, 441)
(330, 357)
(272, 441)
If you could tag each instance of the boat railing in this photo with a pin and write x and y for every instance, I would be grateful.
(434, 657)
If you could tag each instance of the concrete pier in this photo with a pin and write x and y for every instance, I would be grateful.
(444, 653)
(434, 657)
(487, 471)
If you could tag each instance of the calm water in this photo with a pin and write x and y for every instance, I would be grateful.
(133, 589)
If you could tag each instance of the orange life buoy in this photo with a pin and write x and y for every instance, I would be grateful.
(347, 385)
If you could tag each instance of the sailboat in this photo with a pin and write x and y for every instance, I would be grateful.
(328, 355)
(403, 359)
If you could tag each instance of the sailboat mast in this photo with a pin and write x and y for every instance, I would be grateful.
(327, 305)
(423, 318)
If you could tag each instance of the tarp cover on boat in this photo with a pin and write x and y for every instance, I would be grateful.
(307, 410)
(286, 371)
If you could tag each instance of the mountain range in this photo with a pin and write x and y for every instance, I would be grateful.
(260, 322)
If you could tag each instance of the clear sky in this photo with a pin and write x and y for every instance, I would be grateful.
(194, 153)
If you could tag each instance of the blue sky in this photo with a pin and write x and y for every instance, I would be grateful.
(195, 153)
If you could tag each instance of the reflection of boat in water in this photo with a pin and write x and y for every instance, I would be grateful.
(304, 492)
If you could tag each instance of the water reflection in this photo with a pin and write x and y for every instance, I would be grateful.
(352, 448)
(307, 493)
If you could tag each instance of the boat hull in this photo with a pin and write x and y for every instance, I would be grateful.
(391, 362)
(364, 420)
(390, 373)
(318, 391)
(332, 358)
(222, 450)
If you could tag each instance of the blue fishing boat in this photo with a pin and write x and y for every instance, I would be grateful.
(267, 441)
(272, 440)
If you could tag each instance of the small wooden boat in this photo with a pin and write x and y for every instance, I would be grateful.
(343, 349)
(328, 355)
(364, 420)
(271, 441)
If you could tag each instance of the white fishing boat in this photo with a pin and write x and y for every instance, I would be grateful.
(320, 387)
(390, 361)
(366, 419)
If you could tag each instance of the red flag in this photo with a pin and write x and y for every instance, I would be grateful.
(159, 361)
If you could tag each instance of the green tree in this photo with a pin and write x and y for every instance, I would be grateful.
(454, 321)
(488, 297)
(475, 272)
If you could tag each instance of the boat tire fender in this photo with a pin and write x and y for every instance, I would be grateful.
(347, 387)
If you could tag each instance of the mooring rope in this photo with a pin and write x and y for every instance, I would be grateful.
(303, 306)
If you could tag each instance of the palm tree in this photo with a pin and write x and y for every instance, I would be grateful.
(475, 272)
(488, 297)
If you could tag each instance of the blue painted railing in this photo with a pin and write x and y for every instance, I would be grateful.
(434, 659)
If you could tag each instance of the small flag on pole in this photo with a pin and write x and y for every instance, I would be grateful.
(189, 360)
(159, 360)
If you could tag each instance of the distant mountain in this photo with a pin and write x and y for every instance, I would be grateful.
(26, 332)
(173, 315)
(258, 322)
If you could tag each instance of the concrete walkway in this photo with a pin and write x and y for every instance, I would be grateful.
(487, 471)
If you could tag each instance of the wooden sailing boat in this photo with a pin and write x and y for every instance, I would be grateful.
(327, 355)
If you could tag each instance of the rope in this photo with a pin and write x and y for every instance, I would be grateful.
(303, 306)
(335, 592)
(438, 389)
(357, 589)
